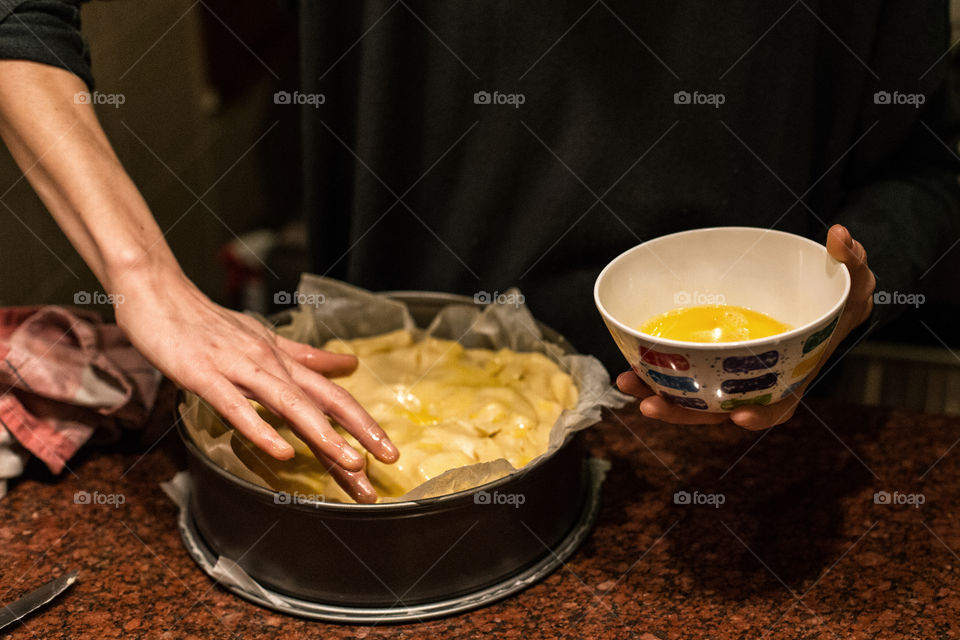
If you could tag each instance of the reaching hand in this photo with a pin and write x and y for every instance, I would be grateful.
(226, 357)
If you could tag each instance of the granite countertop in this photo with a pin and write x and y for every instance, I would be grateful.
(797, 549)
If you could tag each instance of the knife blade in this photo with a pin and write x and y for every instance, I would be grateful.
(35, 599)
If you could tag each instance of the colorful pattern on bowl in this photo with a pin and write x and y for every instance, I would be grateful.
(720, 380)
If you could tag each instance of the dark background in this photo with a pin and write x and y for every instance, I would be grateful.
(216, 158)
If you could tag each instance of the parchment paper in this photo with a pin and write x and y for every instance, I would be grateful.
(332, 309)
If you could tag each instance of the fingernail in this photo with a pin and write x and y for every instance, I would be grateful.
(282, 448)
(741, 419)
(352, 455)
(389, 449)
(392, 452)
(366, 488)
(848, 237)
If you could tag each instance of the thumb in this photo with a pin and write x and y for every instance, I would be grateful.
(841, 246)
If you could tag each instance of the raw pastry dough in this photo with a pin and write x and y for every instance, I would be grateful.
(443, 405)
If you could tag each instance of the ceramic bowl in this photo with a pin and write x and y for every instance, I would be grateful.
(788, 277)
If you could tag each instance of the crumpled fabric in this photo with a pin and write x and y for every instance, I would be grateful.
(64, 375)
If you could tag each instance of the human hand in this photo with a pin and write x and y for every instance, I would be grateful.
(840, 245)
(227, 357)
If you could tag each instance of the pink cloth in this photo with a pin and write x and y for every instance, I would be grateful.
(64, 374)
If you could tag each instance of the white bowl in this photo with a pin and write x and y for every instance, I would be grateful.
(788, 277)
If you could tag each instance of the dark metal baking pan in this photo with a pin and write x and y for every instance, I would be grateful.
(206, 558)
(388, 555)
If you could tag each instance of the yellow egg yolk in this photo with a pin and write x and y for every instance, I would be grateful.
(713, 323)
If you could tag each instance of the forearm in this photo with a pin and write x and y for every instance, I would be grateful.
(68, 160)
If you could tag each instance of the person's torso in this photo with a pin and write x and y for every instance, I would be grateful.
(470, 147)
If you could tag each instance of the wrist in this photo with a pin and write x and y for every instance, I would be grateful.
(124, 270)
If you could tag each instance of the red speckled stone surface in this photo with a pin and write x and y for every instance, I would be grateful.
(797, 549)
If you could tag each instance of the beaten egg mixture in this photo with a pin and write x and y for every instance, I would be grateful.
(443, 405)
(713, 323)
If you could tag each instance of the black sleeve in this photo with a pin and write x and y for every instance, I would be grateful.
(906, 211)
(46, 31)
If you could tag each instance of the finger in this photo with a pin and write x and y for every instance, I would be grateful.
(343, 407)
(326, 362)
(659, 409)
(335, 402)
(237, 410)
(630, 383)
(758, 418)
(354, 483)
(289, 401)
